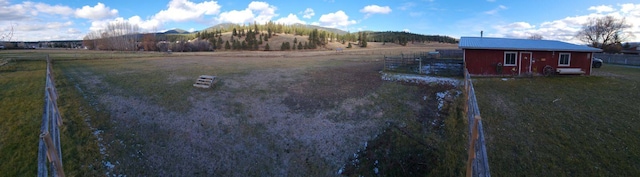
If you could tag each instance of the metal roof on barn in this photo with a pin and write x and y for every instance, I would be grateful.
(521, 44)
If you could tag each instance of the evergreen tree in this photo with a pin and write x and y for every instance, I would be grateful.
(235, 32)
(227, 46)
(255, 25)
(349, 46)
(266, 47)
(363, 40)
(295, 40)
(300, 46)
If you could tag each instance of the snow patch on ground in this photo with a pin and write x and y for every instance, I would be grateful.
(418, 79)
(440, 97)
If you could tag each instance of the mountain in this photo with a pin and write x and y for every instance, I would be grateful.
(220, 26)
(229, 26)
(333, 30)
(176, 31)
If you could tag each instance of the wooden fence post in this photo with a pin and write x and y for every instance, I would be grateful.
(472, 146)
(52, 155)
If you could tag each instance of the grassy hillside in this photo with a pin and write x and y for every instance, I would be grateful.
(557, 126)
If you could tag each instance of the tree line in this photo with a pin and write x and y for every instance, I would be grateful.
(402, 38)
(125, 36)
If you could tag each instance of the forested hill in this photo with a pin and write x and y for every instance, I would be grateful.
(402, 38)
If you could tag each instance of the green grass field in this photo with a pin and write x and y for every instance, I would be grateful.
(564, 125)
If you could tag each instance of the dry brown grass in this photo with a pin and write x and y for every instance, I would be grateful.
(271, 113)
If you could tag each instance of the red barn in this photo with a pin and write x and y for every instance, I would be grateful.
(503, 56)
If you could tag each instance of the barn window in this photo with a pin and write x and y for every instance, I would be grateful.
(510, 58)
(564, 60)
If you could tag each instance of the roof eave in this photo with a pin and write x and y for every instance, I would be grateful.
(529, 49)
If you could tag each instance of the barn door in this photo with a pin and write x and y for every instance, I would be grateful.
(525, 63)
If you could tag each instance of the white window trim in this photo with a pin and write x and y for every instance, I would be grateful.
(568, 59)
(504, 60)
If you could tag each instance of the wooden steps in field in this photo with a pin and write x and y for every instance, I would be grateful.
(205, 81)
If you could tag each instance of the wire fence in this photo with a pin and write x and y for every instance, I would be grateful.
(49, 151)
(424, 63)
(619, 59)
(478, 162)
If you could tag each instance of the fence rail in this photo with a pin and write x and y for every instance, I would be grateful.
(478, 162)
(619, 59)
(49, 145)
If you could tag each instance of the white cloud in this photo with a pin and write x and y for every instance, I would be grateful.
(375, 9)
(234, 16)
(336, 20)
(56, 9)
(308, 13)
(520, 25)
(291, 19)
(496, 10)
(145, 25)
(415, 14)
(73, 31)
(184, 10)
(407, 5)
(260, 12)
(264, 10)
(28, 10)
(565, 29)
(97, 12)
(601, 8)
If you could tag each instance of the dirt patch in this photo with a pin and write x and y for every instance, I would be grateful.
(270, 118)
(324, 88)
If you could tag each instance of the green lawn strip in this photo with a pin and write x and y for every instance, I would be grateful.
(21, 106)
(80, 151)
(561, 125)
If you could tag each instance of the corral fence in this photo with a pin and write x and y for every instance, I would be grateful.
(619, 59)
(430, 63)
(49, 151)
(478, 162)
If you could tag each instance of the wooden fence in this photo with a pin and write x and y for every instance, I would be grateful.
(49, 146)
(619, 59)
(478, 162)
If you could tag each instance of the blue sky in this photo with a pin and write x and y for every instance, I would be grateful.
(558, 19)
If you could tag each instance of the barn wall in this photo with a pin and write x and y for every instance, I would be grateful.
(484, 62)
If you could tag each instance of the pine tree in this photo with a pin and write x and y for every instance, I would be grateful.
(363, 40)
(227, 46)
(266, 47)
(300, 46)
(349, 46)
(295, 40)
(235, 32)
